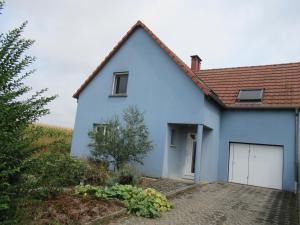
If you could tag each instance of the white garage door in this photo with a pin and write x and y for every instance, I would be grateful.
(259, 165)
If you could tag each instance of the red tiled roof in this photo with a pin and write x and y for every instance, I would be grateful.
(281, 83)
(174, 57)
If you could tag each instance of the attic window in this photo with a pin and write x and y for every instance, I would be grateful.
(250, 95)
(120, 84)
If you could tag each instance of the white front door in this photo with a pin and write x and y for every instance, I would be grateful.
(258, 165)
(191, 145)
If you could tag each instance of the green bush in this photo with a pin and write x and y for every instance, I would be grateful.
(19, 107)
(126, 175)
(96, 173)
(47, 173)
(146, 203)
(85, 190)
(121, 142)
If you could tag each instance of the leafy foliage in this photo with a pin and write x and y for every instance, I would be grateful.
(122, 142)
(47, 173)
(96, 173)
(146, 203)
(18, 109)
(127, 174)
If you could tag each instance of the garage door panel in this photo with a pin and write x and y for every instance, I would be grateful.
(239, 158)
(265, 166)
(258, 165)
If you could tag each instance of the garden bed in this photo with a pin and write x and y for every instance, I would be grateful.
(69, 209)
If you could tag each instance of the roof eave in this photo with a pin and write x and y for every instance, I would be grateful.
(215, 97)
(262, 106)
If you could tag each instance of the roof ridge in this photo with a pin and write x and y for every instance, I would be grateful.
(245, 67)
(188, 71)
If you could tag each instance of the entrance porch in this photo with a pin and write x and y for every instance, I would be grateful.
(186, 146)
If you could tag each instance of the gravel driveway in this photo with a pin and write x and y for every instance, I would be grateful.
(226, 204)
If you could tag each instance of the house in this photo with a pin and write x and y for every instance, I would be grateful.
(234, 124)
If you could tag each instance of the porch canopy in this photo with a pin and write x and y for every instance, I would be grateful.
(184, 147)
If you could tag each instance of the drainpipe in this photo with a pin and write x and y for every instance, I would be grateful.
(297, 154)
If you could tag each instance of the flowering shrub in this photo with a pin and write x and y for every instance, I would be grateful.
(146, 203)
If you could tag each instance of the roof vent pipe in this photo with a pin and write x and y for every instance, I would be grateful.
(195, 63)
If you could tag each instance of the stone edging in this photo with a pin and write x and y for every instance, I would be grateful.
(122, 212)
(178, 191)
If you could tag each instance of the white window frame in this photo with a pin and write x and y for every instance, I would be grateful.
(97, 125)
(113, 90)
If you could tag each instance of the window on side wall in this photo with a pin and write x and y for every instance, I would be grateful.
(120, 84)
(99, 127)
(172, 138)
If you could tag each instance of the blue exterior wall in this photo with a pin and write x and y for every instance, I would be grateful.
(155, 84)
(210, 143)
(271, 127)
(176, 154)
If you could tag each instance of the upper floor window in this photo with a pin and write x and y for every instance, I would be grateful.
(250, 95)
(120, 84)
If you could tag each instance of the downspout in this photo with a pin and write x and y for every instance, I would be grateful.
(297, 154)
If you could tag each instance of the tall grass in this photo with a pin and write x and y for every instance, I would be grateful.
(52, 138)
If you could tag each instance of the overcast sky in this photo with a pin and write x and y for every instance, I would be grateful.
(73, 36)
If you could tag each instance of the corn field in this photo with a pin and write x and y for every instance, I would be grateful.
(51, 138)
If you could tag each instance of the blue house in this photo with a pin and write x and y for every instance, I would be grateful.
(234, 124)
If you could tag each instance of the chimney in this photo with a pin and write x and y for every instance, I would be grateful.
(196, 62)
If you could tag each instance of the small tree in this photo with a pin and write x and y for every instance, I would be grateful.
(18, 109)
(121, 142)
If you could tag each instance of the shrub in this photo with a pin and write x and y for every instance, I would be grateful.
(146, 203)
(19, 107)
(126, 175)
(96, 173)
(86, 189)
(47, 173)
(120, 142)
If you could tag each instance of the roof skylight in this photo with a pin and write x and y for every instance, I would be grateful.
(250, 95)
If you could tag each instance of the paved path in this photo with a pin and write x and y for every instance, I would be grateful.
(226, 204)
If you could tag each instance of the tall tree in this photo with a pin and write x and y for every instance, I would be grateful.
(18, 109)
